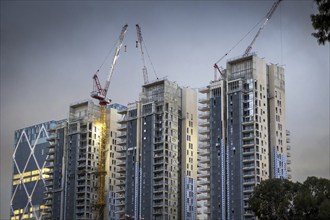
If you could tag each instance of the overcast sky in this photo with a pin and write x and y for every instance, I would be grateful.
(50, 50)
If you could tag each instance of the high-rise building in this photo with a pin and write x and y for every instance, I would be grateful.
(113, 158)
(30, 171)
(242, 137)
(73, 158)
(159, 140)
(55, 182)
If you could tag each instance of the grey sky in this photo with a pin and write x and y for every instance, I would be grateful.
(50, 50)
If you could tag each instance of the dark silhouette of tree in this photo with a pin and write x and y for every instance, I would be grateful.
(273, 199)
(282, 199)
(313, 199)
(321, 22)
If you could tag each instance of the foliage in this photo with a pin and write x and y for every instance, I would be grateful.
(282, 199)
(321, 22)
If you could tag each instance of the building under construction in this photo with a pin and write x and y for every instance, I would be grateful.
(159, 145)
(73, 181)
(242, 137)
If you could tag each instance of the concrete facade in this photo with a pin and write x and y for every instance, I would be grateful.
(242, 137)
(72, 164)
(161, 153)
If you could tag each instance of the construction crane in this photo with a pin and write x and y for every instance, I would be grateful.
(268, 16)
(139, 41)
(248, 49)
(100, 94)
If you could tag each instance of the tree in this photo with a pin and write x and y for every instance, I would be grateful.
(273, 199)
(313, 199)
(282, 199)
(321, 22)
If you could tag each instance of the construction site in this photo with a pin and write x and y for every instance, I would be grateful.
(169, 154)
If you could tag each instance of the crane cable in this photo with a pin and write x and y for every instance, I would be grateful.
(152, 65)
(106, 58)
(241, 39)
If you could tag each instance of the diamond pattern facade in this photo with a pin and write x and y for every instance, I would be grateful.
(29, 166)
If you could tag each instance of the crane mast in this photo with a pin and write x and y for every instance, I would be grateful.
(100, 94)
(139, 41)
(268, 16)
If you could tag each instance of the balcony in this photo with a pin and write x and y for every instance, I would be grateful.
(204, 124)
(121, 156)
(158, 203)
(158, 182)
(248, 166)
(204, 152)
(203, 182)
(120, 190)
(248, 136)
(247, 159)
(249, 173)
(52, 145)
(122, 134)
(48, 197)
(158, 161)
(248, 120)
(204, 89)
(204, 145)
(203, 100)
(202, 203)
(204, 108)
(120, 203)
(248, 189)
(158, 189)
(204, 159)
(123, 127)
(203, 174)
(204, 115)
(158, 167)
(121, 170)
(121, 198)
(82, 158)
(204, 138)
(120, 176)
(122, 121)
(249, 181)
(51, 137)
(203, 166)
(204, 131)
(50, 165)
(159, 148)
(50, 158)
(121, 183)
(81, 164)
(159, 155)
(121, 149)
(203, 189)
(203, 196)
(122, 163)
(248, 143)
(248, 151)
(122, 142)
(158, 175)
(247, 128)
